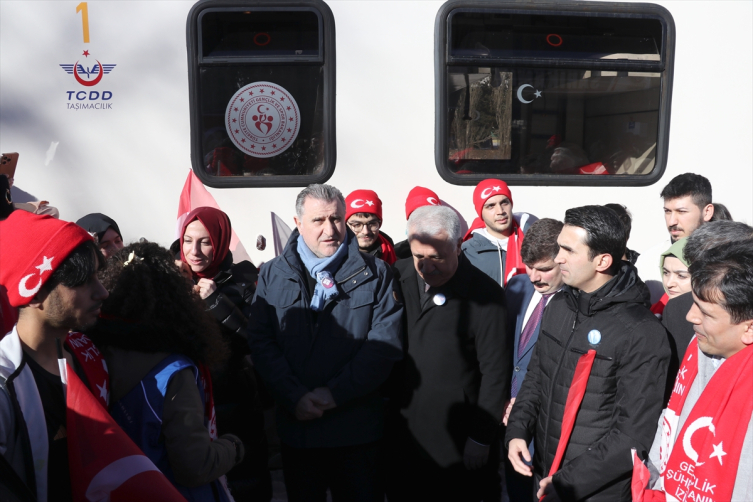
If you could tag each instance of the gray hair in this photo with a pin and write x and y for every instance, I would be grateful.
(430, 221)
(715, 234)
(327, 193)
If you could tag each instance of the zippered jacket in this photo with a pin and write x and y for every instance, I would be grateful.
(623, 398)
(349, 347)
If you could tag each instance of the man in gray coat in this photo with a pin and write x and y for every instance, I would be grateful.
(324, 331)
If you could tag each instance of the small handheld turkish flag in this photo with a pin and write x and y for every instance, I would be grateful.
(105, 465)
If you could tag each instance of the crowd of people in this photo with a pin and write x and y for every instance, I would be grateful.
(532, 350)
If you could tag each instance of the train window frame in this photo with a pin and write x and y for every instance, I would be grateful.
(443, 61)
(326, 59)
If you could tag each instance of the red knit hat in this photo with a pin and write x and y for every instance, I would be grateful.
(32, 247)
(488, 189)
(418, 197)
(363, 201)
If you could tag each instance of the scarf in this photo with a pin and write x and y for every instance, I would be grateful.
(217, 224)
(322, 269)
(705, 466)
(92, 363)
(658, 308)
(388, 250)
(513, 262)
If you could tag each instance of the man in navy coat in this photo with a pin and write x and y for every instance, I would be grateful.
(527, 296)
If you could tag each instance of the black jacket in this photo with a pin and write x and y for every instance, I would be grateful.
(455, 376)
(230, 302)
(623, 399)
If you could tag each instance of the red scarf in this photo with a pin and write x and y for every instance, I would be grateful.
(704, 464)
(209, 413)
(513, 262)
(658, 308)
(217, 224)
(90, 360)
(388, 250)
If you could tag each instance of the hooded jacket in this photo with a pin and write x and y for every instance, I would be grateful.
(623, 398)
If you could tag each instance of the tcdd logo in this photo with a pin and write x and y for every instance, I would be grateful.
(86, 75)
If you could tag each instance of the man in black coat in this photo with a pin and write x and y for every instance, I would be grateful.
(455, 378)
(604, 306)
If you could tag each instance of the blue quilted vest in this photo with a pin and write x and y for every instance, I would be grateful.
(139, 413)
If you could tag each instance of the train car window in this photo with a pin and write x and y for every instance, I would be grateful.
(262, 90)
(553, 94)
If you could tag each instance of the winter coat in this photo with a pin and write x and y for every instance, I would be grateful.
(23, 430)
(194, 458)
(623, 398)
(485, 256)
(230, 302)
(349, 347)
(455, 377)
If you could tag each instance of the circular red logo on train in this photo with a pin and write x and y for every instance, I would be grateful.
(262, 119)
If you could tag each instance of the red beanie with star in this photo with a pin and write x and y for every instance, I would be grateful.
(488, 189)
(419, 197)
(363, 201)
(32, 247)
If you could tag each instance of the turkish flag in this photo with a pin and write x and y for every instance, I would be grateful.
(195, 194)
(105, 465)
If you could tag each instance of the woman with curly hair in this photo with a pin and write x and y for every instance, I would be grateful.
(227, 289)
(158, 341)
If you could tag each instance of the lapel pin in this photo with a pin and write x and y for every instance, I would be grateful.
(439, 299)
(594, 337)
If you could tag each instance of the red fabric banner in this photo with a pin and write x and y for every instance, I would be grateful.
(104, 463)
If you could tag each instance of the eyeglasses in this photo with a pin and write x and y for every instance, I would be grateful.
(372, 225)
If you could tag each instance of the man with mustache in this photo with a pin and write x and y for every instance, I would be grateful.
(687, 206)
(492, 244)
(527, 297)
(49, 269)
(454, 380)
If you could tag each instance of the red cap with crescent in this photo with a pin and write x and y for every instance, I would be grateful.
(488, 189)
(32, 247)
(418, 197)
(363, 201)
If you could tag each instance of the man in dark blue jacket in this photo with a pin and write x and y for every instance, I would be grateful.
(527, 297)
(324, 332)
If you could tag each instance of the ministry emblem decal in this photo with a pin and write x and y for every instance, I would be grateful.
(262, 119)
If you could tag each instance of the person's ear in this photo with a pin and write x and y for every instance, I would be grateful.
(297, 223)
(460, 244)
(708, 212)
(747, 337)
(38, 301)
(604, 262)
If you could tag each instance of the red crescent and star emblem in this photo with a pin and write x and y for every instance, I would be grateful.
(262, 119)
(88, 83)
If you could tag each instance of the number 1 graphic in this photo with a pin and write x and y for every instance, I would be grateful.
(84, 9)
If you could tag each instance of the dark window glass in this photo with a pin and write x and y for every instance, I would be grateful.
(219, 83)
(260, 33)
(550, 121)
(483, 34)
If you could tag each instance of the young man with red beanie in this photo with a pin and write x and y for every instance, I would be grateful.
(493, 242)
(417, 197)
(49, 269)
(363, 214)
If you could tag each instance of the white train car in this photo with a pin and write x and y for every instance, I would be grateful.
(111, 103)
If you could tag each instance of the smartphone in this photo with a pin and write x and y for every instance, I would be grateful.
(8, 162)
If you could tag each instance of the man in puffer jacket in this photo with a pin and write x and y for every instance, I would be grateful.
(604, 306)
